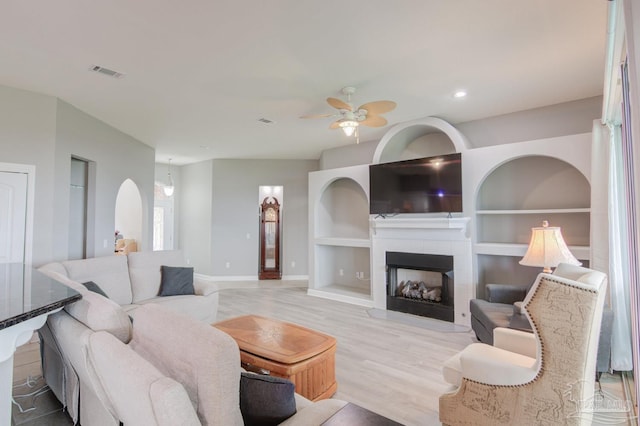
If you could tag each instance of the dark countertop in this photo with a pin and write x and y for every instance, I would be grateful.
(19, 303)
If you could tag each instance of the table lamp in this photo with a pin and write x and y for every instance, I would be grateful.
(547, 249)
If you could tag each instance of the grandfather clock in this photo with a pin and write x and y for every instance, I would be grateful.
(270, 240)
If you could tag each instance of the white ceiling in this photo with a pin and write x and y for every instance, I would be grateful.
(200, 73)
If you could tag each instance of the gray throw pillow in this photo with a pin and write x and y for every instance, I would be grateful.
(266, 400)
(176, 281)
(91, 286)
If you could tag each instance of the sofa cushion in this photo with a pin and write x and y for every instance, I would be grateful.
(197, 307)
(95, 311)
(202, 358)
(109, 272)
(145, 271)
(176, 281)
(266, 400)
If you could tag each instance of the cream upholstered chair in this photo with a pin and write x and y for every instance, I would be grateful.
(541, 378)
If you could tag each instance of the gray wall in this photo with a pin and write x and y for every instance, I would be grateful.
(235, 213)
(45, 132)
(27, 136)
(551, 121)
(193, 192)
(220, 209)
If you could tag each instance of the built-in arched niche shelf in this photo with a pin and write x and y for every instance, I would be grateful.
(343, 211)
(417, 139)
(340, 246)
(518, 195)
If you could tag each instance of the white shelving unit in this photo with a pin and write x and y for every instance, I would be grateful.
(518, 195)
(340, 251)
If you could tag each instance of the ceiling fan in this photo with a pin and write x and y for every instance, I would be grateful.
(351, 119)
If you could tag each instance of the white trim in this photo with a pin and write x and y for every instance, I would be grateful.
(30, 171)
(295, 278)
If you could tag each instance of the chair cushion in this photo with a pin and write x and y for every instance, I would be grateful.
(266, 400)
(109, 272)
(145, 271)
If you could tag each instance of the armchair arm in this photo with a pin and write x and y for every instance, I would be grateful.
(504, 293)
(204, 286)
(517, 341)
(494, 366)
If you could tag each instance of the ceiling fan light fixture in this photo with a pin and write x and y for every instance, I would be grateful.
(348, 126)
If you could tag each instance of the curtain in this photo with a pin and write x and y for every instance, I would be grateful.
(621, 352)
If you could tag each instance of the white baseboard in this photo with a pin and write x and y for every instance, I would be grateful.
(248, 277)
(295, 278)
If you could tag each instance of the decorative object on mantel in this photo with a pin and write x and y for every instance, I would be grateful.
(169, 187)
(547, 249)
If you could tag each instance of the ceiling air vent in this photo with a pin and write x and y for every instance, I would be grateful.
(106, 71)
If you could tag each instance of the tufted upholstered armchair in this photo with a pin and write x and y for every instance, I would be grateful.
(540, 378)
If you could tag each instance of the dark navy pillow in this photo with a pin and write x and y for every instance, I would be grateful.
(266, 400)
(91, 286)
(176, 281)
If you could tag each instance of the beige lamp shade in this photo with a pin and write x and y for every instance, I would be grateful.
(547, 248)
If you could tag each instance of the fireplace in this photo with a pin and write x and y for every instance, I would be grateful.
(421, 284)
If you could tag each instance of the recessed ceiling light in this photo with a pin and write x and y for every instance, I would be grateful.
(460, 94)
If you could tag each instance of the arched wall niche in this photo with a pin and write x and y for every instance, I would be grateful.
(533, 182)
(419, 138)
(539, 188)
(342, 210)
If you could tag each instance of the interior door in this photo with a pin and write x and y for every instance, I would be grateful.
(13, 211)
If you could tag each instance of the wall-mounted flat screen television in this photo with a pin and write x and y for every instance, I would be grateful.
(424, 185)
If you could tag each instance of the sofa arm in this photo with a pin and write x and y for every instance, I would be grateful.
(520, 342)
(204, 286)
(504, 293)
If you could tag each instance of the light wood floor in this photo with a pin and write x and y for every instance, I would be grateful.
(388, 367)
(384, 366)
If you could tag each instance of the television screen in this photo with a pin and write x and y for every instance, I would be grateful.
(424, 185)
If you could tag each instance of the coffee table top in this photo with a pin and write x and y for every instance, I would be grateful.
(275, 340)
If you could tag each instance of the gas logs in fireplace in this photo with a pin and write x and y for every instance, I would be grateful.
(420, 284)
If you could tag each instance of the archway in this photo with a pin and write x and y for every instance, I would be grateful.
(128, 212)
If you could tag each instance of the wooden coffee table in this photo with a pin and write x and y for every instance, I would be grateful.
(281, 349)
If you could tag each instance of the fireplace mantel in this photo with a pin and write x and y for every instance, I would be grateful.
(424, 235)
(459, 223)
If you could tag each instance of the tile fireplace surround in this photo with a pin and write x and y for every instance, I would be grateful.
(442, 236)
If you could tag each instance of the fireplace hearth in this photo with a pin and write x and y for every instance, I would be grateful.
(420, 284)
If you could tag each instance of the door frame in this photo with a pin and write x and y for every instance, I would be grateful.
(30, 171)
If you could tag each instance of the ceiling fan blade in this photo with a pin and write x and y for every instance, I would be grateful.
(378, 107)
(318, 115)
(374, 121)
(335, 125)
(339, 104)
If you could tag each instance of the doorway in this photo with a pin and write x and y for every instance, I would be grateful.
(128, 217)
